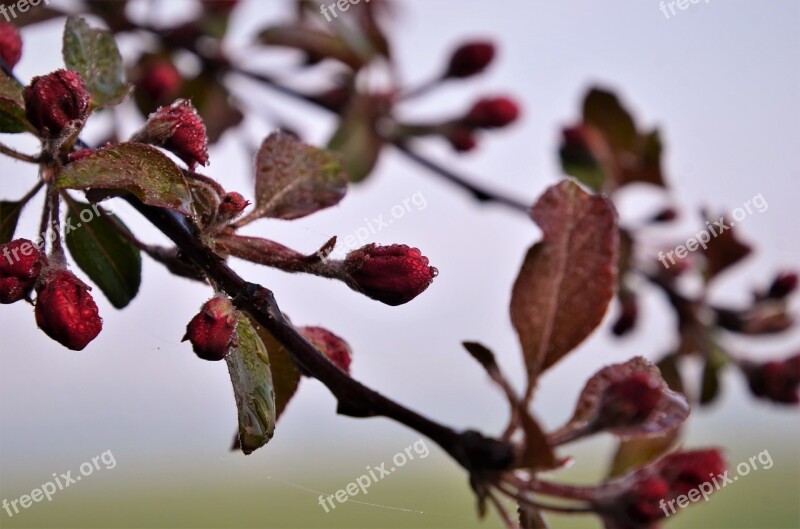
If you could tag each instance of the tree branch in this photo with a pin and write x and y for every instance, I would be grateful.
(476, 453)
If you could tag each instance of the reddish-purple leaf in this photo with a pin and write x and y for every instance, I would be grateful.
(725, 249)
(568, 278)
(537, 452)
(294, 179)
(629, 400)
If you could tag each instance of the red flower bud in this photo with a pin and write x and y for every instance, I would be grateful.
(160, 81)
(180, 129)
(20, 264)
(684, 471)
(212, 332)
(55, 102)
(470, 59)
(65, 310)
(10, 44)
(647, 494)
(783, 285)
(491, 113)
(462, 139)
(393, 274)
(778, 381)
(332, 346)
(77, 155)
(630, 401)
(642, 503)
(232, 205)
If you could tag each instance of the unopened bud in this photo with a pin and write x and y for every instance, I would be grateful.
(462, 139)
(179, 129)
(393, 274)
(470, 59)
(778, 381)
(492, 113)
(212, 332)
(160, 81)
(333, 347)
(10, 44)
(66, 311)
(20, 264)
(56, 102)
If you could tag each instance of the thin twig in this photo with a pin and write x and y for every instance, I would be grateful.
(8, 151)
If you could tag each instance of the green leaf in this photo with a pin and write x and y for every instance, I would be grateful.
(316, 43)
(712, 371)
(294, 180)
(251, 377)
(568, 279)
(103, 253)
(357, 139)
(9, 216)
(285, 376)
(134, 167)
(637, 452)
(602, 109)
(94, 55)
(12, 106)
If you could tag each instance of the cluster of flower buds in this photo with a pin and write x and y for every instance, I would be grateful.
(778, 380)
(21, 262)
(486, 113)
(179, 129)
(629, 400)
(332, 346)
(212, 332)
(10, 45)
(468, 59)
(649, 494)
(393, 274)
(768, 313)
(56, 104)
(65, 310)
